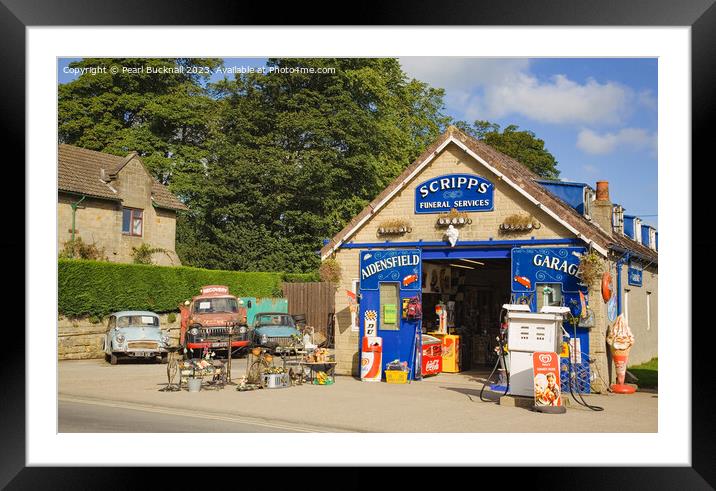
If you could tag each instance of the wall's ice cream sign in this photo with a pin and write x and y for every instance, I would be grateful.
(465, 192)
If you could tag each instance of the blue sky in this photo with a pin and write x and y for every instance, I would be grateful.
(597, 116)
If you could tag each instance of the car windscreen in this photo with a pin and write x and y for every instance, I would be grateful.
(137, 320)
(263, 320)
(213, 305)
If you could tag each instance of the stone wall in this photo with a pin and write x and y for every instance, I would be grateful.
(80, 339)
(100, 221)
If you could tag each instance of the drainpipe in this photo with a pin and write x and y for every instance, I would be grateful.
(74, 207)
(620, 262)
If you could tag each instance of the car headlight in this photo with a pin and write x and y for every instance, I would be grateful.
(120, 338)
(242, 330)
(165, 338)
(194, 331)
(264, 339)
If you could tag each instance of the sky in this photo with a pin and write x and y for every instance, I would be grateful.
(597, 116)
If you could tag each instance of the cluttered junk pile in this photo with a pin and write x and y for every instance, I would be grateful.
(299, 362)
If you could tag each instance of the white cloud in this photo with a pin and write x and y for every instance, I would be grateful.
(594, 143)
(480, 88)
(646, 99)
(559, 100)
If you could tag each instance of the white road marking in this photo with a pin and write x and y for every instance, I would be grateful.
(193, 414)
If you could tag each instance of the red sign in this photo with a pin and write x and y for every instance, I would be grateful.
(546, 383)
(432, 359)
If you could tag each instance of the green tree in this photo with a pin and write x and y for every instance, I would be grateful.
(165, 117)
(296, 155)
(269, 163)
(522, 146)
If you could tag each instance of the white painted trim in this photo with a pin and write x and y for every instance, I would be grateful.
(419, 168)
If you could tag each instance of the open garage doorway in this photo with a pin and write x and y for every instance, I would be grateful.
(471, 292)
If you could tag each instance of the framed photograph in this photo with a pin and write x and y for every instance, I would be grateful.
(178, 179)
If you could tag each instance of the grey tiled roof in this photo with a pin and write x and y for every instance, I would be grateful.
(79, 171)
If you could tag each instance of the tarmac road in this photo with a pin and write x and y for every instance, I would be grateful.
(87, 416)
(348, 405)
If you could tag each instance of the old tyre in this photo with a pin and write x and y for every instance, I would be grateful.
(113, 359)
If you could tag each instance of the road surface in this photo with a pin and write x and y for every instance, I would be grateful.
(86, 416)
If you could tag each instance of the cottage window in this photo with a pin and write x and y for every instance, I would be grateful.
(132, 220)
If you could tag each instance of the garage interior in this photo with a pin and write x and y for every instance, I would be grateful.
(478, 288)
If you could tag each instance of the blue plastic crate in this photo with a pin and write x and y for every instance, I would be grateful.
(582, 373)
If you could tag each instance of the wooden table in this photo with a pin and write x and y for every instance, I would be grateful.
(322, 366)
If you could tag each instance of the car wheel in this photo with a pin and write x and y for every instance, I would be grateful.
(106, 357)
(113, 359)
(163, 359)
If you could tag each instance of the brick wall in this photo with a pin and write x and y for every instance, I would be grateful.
(100, 221)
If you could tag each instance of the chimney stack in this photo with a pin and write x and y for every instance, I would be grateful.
(602, 208)
(603, 190)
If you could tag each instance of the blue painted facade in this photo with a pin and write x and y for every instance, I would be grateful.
(532, 266)
(629, 223)
(571, 193)
(404, 268)
(645, 235)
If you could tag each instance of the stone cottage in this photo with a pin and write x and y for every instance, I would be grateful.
(114, 203)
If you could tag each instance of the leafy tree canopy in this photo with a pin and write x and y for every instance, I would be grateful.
(269, 163)
(522, 146)
(163, 117)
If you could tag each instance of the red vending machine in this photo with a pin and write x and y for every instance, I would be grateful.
(432, 355)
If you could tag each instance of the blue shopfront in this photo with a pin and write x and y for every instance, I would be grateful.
(534, 272)
(466, 280)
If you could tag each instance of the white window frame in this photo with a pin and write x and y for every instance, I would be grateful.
(618, 219)
(588, 197)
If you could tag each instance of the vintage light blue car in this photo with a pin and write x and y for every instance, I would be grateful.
(274, 330)
(135, 334)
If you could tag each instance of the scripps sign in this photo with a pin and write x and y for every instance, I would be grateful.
(465, 192)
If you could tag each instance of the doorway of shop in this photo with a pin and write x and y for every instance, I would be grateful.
(462, 304)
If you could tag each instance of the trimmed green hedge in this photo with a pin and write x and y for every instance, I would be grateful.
(100, 288)
(301, 277)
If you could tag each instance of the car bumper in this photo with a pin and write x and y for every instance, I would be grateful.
(145, 353)
(216, 344)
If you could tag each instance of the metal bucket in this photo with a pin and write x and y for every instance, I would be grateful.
(193, 384)
(275, 380)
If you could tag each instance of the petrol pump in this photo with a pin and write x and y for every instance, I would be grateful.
(529, 332)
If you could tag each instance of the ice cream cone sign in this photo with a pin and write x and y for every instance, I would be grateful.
(620, 340)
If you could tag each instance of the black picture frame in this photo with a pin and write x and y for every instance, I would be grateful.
(700, 15)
